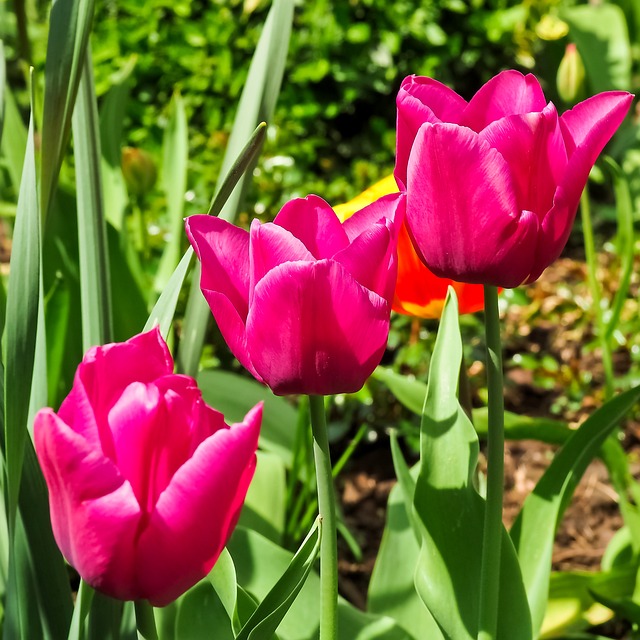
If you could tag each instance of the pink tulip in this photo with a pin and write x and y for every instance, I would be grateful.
(303, 302)
(493, 185)
(145, 480)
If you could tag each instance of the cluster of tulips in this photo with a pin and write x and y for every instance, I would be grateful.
(484, 195)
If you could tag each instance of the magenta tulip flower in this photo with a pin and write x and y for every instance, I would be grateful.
(493, 185)
(146, 481)
(303, 302)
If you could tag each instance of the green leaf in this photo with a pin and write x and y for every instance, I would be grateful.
(392, 590)
(257, 104)
(407, 484)
(69, 29)
(3, 84)
(625, 240)
(408, 392)
(411, 393)
(223, 579)
(270, 612)
(14, 139)
(518, 427)
(201, 614)
(112, 116)
(264, 506)
(450, 510)
(571, 604)
(95, 293)
(175, 149)
(260, 563)
(533, 532)
(234, 395)
(23, 297)
(600, 33)
(81, 611)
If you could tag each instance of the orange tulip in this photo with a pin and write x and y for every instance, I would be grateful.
(418, 291)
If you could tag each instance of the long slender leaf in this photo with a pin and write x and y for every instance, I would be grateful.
(533, 532)
(92, 233)
(257, 104)
(3, 84)
(69, 28)
(112, 115)
(406, 482)
(165, 307)
(22, 322)
(625, 239)
(270, 612)
(392, 591)
(14, 139)
(174, 182)
(450, 510)
(259, 565)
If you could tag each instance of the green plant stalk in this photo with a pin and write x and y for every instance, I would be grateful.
(594, 287)
(327, 510)
(145, 622)
(492, 537)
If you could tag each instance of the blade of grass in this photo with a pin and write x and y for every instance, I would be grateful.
(69, 28)
(257, 104)
(92, 232)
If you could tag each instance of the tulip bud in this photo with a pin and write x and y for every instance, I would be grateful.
(497, 206)
(139, 169)
(327, 287)
(571, 75)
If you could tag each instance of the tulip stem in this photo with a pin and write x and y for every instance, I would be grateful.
(492, 536)
(327, 510)
(145, 621)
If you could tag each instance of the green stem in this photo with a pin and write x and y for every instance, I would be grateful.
(594, 286)
(145, 621)
(327, 510)
(492, 537)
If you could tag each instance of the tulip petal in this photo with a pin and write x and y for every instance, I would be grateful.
(146, 458)
(313, 329)
(269, 246)
(421, 100)
(223, 251)
(232, 327)
(197, 512)
(509, 93)
(452, 170)
(313, 221)
(390, 206)
(533, 147)
(368, 258)
(143, 358)
(554, 233)
(94, 513)
(587, 128)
